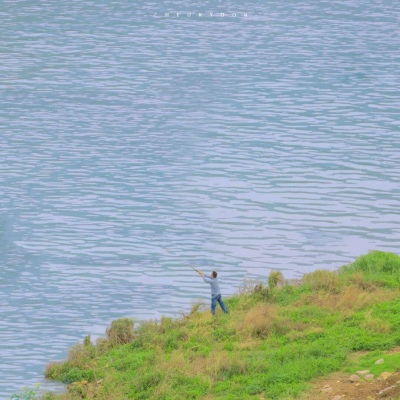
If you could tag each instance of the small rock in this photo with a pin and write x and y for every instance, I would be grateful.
(326, 389)
(338, 397)
(386, 391)
(364, 372)
(369, 377)
(386, 375)
(380, 361)
(354, 378)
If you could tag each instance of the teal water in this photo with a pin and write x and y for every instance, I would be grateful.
(134, 144)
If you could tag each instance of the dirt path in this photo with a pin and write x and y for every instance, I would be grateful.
(339, 386)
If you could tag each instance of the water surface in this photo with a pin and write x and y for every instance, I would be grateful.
(135, 144)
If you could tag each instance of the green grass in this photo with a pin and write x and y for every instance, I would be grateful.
(273, 342)
(378, 267)
(367, 362)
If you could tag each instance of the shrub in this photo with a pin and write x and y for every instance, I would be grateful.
(259, 320)
(120, 331)
(86, 341)
(26, 394)
(81, 353)
(55, 369)
(323, 280)
(148, 334)
(102, 346)
(66, 373)
(262, 293)
(275, 278)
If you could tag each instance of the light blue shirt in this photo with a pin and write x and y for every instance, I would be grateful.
(214, 285)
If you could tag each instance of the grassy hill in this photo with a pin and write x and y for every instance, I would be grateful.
(273, 343)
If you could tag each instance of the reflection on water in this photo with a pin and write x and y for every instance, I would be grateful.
(133, 146)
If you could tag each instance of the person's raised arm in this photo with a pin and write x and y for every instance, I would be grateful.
(206, 279)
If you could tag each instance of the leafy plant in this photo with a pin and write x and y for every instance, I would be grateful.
(26, 394)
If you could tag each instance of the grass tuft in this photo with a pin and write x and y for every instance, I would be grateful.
(259, 320)
(275, 278)
(79, 354)
(323, 280)
(120, 332)
(358, 279)
(376, 325)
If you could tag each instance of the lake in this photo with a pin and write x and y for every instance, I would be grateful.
(139, 139)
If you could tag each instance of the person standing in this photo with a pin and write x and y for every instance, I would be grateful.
(215, 290)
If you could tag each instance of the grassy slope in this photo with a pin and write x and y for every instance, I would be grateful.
(273, 342)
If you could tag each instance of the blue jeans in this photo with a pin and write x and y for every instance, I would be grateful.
(214, 300)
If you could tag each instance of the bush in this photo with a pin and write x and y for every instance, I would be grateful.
(81, 353)
(261, 292)
(102, 346)
(78, 356)
(275, 278)
(26, 394)
(323, 280)
(148, 334)
(66, 373)
(55, 369)
(259, 320)
(120, 332)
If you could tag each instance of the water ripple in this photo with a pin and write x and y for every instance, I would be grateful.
(133, 146)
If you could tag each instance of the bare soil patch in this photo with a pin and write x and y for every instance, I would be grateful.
(338, 386)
